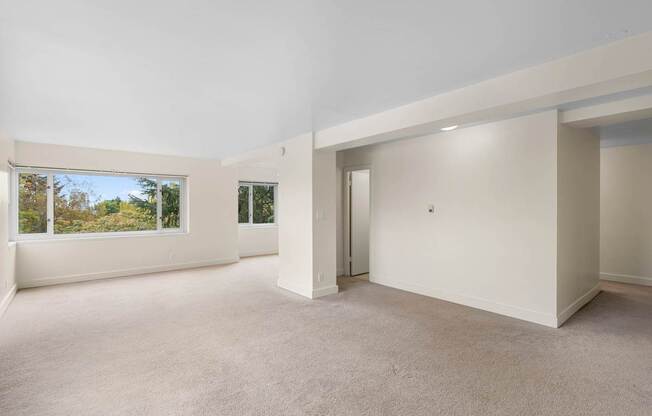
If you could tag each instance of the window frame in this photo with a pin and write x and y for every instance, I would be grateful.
(50, 235)
(250, 185)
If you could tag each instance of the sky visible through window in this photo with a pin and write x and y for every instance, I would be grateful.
(103, 187)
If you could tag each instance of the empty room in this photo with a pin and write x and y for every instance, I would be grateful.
(325, 207)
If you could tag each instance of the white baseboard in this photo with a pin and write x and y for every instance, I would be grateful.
(324, 291)
(575, 306)
(258, 253)
(306, 293)
(541, 318)
(340, 272)
(4, 304)
(626, 278)
(23, 284)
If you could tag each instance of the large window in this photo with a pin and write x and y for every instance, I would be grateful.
(56, 203)
(257, 203)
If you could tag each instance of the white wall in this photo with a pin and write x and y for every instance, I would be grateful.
(212, 232)
(578, 219)
(324, 224)
(515, 229)
(296, 199)
(258, 239)
(307, 217)
(7, 251)
(626, 214)
(257, 174)
(492, 240)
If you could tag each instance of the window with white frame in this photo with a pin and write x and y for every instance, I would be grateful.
(257, 203)
(64, 203)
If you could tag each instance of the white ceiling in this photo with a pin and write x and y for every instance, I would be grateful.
(625, 134)
(212, 78)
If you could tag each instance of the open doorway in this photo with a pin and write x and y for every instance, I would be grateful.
(358, 219)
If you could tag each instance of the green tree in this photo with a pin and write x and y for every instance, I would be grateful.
(148, 191)
(263, 204)
(170, 204)
(243, 204)
(108, 206)
(32, 203)
(77, 210)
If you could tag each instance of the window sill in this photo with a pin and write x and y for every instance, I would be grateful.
(99, 237)
(254, 226)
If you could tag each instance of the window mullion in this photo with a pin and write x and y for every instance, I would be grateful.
(14, 206)
(183, 220)
(251, 204)
(275, 204)
(50, 204)
(159, 205)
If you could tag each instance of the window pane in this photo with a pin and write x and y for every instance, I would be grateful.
(98, 204)
(243, 204)
(170, 203)
(32, 203)
(263, 204)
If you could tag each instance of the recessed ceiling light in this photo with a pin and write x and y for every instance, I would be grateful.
(449, 128)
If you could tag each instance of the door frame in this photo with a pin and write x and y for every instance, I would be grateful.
(346, 232)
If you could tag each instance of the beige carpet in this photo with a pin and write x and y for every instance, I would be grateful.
(226, 341)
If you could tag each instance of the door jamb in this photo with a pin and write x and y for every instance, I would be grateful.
(346, 232)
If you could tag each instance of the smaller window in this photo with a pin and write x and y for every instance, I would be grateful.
(257, 203)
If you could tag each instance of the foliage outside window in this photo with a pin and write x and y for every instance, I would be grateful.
(243, 204)
(87, 203)
(256, 203)
(171, 203)
(32, 193)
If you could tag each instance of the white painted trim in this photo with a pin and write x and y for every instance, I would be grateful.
(529, 315)
(248, 226)
(122, 273)
(4, 305)
(575, 306)
(626, 278)
(325, 291)
(306, 293)
(340, 271)
(100, 236)
(258, 253)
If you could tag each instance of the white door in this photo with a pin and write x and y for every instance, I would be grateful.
(359, 222)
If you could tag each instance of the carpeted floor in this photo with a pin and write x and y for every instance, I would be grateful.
(226, 341)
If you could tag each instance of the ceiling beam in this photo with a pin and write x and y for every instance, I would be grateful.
(620, 66)
(630, 109)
